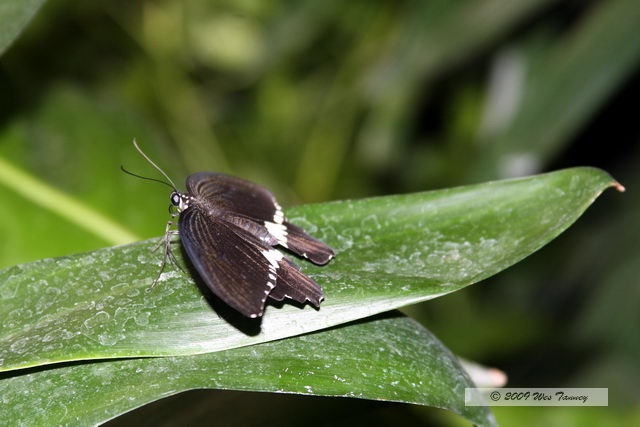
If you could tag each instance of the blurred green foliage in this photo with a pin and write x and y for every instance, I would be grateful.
(328, 99)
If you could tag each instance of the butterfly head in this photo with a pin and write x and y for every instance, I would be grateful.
(180, 200)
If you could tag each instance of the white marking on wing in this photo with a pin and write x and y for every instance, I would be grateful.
(273, 256)
(278, 216)
(279, 231)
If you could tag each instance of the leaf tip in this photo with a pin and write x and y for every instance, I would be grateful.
(619, 187)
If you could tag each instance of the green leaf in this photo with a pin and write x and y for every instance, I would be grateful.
(391, 252)
(14, 16)
(388, 359)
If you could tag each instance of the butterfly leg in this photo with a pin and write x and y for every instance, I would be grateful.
(168, 253)
(166, 237)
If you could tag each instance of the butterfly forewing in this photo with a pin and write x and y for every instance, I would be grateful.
(231, 194)
(243, 198)
(231, 264)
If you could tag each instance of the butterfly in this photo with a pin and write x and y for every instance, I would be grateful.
(229, 228)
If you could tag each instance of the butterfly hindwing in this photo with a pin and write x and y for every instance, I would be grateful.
(295, 285)
(300, 243)
(233, 264)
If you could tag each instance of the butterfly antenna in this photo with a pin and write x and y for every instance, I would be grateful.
(145, 177)
(135, 144)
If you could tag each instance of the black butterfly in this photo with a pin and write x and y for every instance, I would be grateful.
(229, 227)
